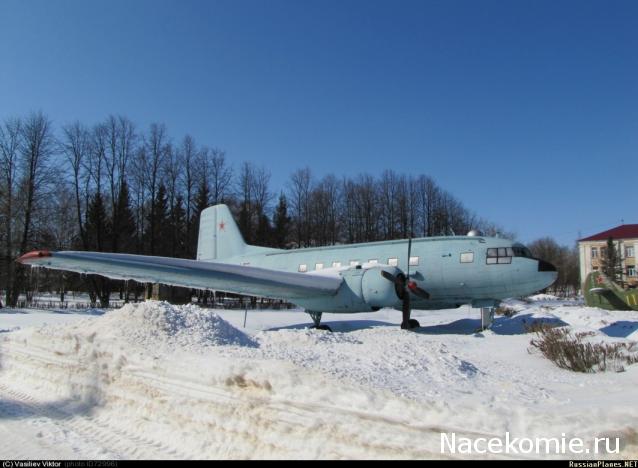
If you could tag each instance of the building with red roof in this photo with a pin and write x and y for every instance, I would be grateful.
(593, 248)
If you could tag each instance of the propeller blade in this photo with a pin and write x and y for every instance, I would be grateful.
(398, 280)
(389, 276)
(412, 286)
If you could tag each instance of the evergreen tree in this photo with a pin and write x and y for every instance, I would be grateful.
(611, 262)
(97, 230)
(245, 224)
(263, 236)
(124, 224)
(178, 228)
(281, 222)
(157, 237)
(202, 199)
(97, 224)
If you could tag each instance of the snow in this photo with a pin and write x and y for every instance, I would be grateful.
(152, 380)
(160, 326)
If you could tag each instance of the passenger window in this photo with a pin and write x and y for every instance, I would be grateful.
(414, 261)
(354, 263)
(467, 257)
(303, 268)
(373, 261)
(319, 266)
(336, 264)
(393, 261)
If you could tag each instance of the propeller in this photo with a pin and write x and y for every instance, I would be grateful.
(404, 286)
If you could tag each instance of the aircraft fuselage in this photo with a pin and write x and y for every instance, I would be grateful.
(453, 270)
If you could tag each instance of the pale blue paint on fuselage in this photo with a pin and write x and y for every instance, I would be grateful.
(440, 271)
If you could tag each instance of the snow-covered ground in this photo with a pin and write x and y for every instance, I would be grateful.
(153, 380)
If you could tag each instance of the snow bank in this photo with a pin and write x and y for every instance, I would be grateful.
(543, 297)
(153, 325)
(153, 380)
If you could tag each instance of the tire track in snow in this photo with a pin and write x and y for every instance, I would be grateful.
(114, 442)
(184, 410)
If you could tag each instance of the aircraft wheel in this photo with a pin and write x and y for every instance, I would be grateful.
(414, 323)
(324, 327)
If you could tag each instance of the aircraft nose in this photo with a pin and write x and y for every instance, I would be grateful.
(545, 266)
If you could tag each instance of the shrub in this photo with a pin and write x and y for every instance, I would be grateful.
(505, 311)
(572, 351)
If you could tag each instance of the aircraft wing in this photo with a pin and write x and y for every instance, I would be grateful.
(240, 279)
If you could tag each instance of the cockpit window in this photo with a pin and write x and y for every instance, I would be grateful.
(500, 255)
(522, 252)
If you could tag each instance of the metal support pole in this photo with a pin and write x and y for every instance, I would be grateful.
(487, 317)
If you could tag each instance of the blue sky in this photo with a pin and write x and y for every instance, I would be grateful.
(525, 110)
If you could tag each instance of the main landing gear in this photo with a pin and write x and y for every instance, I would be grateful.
(316, 318)
(411, 323)
(407, 323)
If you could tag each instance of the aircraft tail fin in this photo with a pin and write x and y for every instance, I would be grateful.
(219, 235)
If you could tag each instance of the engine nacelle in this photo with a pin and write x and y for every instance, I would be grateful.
(363, 290)
(377, 291)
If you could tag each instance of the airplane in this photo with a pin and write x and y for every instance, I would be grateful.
(425, 273)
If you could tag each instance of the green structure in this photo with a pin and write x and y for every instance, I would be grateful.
(601, 292)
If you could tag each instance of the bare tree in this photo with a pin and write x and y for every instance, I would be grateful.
(429, 192)
(37, 145)
(187, 158)
(254, 196)
(221, 175)
(76, 147)
(120, 145)
(299, 190)
(156, 151)
(10, 133)
(388, 202)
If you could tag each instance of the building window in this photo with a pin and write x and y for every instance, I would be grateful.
(467, 257)
(303, 268)
(498, 255)
(354, 263)
(594, 252)
(631, 271)
(373, 261)
(603, 252)
(319, 266)
(336, 264)
(629, 251)
(393, 261)
(414, 261)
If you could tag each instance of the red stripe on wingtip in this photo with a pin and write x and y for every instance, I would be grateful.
(35, 254)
